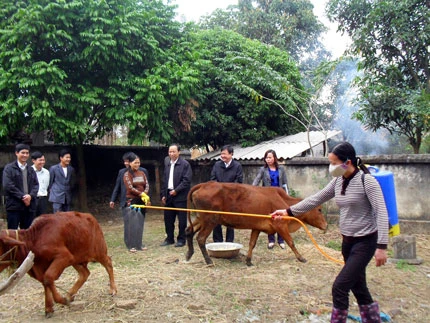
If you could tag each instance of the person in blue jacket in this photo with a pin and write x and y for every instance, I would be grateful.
(61, 183)
(20, 186)
(272, 174)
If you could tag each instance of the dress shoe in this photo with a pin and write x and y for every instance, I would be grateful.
(180, 244)
(166, 243)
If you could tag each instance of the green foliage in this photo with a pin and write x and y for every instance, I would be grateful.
(80, 67)
(289, 25)
(237, 75)
(392, 37)
(334, 244)
(294, 193)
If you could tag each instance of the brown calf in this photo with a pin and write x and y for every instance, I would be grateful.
(58, 241)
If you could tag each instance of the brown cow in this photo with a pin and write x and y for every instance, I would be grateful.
(58, 241)
(242, 198)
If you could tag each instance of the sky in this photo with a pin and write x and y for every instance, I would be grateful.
(193, 9)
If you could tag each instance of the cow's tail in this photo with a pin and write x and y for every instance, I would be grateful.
(189, 231)
(191, 206)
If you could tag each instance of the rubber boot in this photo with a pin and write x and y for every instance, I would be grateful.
(338, 316)
(370, 313)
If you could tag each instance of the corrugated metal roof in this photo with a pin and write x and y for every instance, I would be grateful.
(286, 146)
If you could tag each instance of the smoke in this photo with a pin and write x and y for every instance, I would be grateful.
(365, 142)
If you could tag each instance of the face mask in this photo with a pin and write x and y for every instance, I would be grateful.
(337, 170)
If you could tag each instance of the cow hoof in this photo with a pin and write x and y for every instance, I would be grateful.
(301, 259)
(210, 265)
(48, 314)
(249, 264)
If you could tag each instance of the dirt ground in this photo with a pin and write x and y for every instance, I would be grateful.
(156, 285)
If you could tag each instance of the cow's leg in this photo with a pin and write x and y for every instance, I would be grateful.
(202, 236)
(83, 274)
(106, 262)
(53, 272)
(189, 233)
(252, 242)
(289, 240)
(49, 302)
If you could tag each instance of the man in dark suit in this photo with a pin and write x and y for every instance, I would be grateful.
(61, 183)
(20, 186)
(226, 170)
(176, 185)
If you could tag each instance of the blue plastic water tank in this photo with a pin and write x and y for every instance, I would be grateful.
(386, 181)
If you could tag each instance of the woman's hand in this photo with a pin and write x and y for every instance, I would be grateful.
(278, 213)
(380, 257)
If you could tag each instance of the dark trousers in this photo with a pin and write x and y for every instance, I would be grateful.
(59, 207)
(357, 253)
(41, 205)
(21, 219)
(170, 217)
(271, 238)
(134, 222)
(217, 234)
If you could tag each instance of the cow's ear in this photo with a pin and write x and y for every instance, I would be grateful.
(10, 241)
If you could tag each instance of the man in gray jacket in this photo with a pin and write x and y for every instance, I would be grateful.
(61, 183)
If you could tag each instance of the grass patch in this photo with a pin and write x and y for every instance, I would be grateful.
(334, 244)
(404, 266)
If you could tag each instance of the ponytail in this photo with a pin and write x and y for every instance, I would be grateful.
(361, 166)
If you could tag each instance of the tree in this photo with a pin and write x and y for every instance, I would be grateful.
(392, 38)
(79, 67)
(239, 76)
(289, 25)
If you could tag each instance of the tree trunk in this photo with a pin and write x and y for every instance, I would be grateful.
(416, 142)
(82, 179)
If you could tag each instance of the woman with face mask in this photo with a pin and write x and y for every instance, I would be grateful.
(363, 223)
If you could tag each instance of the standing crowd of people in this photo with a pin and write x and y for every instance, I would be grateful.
(29, 188)
(363, 220)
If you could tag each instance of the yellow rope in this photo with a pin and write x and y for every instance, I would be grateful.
(245, 214)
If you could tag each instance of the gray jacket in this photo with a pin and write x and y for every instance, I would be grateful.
(264, 176)
(60, 186)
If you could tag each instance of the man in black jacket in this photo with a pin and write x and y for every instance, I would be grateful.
(176, 185)
(20, 186)
(226, 170)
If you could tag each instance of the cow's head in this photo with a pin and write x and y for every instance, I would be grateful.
(315, 218)
(8, 249)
